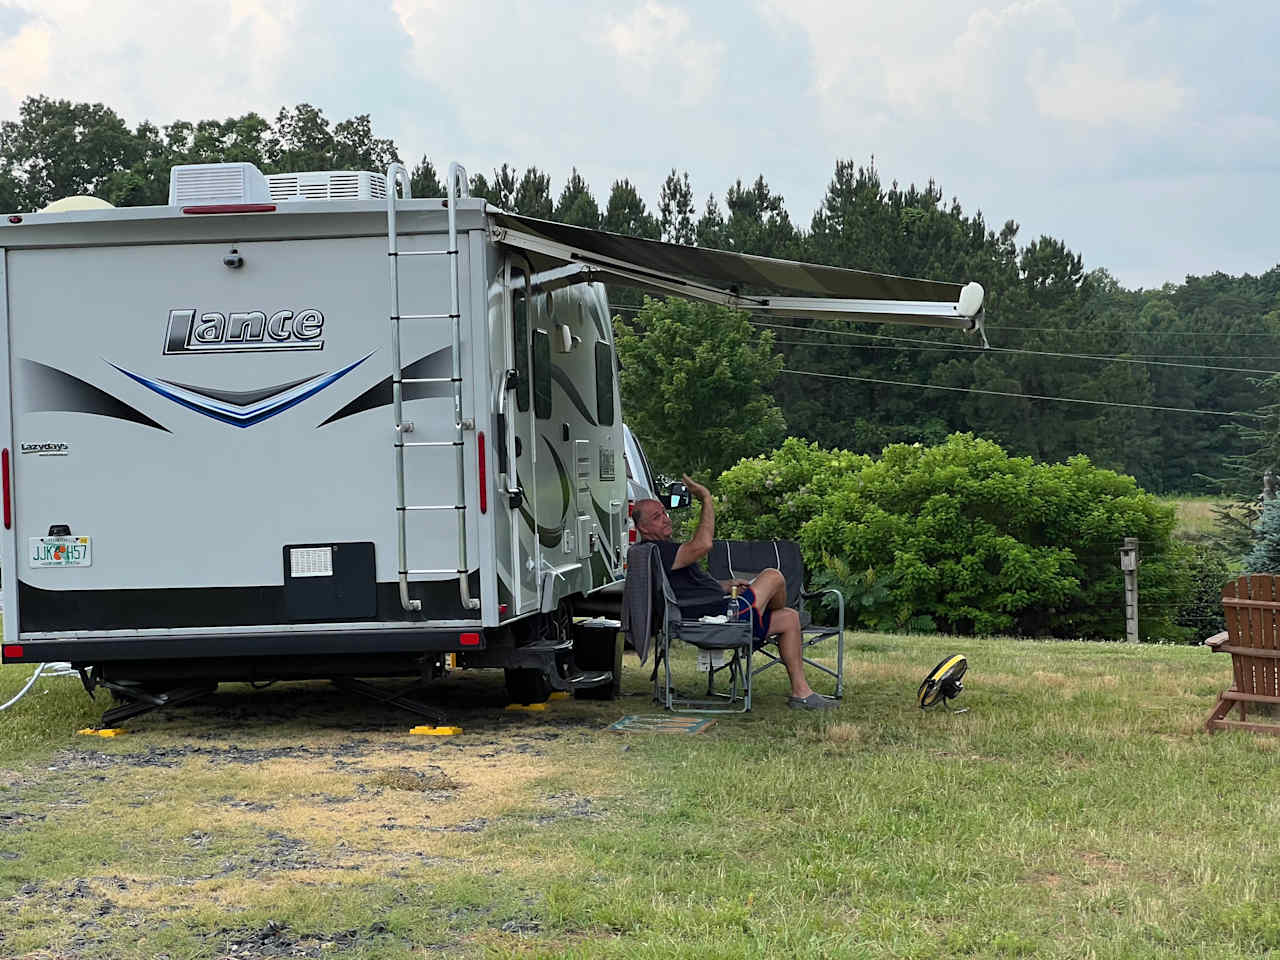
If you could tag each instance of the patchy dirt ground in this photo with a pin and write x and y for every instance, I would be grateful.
(295, 822)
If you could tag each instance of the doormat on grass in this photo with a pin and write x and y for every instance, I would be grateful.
(662, 724)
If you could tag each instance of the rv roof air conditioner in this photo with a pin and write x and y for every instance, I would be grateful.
(327, 185)
(217, 183)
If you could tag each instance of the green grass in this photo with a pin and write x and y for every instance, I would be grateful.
(1196, 519)
(1076, 810)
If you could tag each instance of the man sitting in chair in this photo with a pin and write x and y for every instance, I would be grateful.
(700, 595)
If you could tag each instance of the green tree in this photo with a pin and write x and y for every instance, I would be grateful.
(300, 140)
(57, 148)
(709, 230)
(694, 382)
(626, 214)
(576, 205)
(356, 148)
(426, 182)
(675, 208)
(533, 195)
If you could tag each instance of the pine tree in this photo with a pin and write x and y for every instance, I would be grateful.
(1265, 556)
(576, 204)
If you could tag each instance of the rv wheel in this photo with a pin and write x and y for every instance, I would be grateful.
(525, 685)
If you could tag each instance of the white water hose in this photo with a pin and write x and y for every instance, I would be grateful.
(49, 670)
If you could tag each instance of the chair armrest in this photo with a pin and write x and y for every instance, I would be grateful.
(1217, 640)
(809, 594)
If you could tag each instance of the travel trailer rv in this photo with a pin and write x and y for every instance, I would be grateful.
(310, 426)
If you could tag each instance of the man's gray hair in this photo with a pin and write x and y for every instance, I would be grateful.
(635, 509)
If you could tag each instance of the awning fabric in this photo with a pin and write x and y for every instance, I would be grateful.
(760, 284)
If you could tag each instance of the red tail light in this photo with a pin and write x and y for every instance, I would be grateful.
(8, 503)
(12, 651)
(469, 640)
(631, 535)
(484, 473)
(231, 208)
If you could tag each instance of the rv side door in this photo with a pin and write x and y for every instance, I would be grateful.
(526, 550)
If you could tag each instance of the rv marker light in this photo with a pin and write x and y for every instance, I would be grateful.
(8, 508)
(15, 219)
(13, 651)
(469, 640)
(484, 474)
(232, 208)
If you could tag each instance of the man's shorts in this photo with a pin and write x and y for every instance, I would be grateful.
(759, 623)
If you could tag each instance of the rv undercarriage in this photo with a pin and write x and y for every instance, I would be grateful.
(539, 655)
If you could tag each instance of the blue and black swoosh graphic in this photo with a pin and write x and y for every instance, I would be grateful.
(242, 408)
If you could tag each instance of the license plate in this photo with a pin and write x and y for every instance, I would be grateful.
(60, 552)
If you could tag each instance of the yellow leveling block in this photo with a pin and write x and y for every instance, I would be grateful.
(109, 732)
(559, 695)
(530, 707)
(436, 731)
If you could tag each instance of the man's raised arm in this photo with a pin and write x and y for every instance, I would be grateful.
(700, 545)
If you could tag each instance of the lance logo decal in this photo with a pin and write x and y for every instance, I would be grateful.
(243, 332)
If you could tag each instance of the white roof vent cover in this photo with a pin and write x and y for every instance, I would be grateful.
(328, 185)
(214, 183)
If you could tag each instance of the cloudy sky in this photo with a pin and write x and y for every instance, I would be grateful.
(1138, 131)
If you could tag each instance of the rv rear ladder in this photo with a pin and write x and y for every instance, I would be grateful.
(457, 188)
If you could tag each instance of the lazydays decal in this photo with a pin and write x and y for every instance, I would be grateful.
(242, 409)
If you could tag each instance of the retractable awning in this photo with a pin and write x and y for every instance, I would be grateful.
(561, 254)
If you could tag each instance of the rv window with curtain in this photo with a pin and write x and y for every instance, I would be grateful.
(541, 374)
(604, 384)
(520, 321)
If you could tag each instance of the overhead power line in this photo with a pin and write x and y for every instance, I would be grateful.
(1017, 350)
(1022, 396)
(956, 348)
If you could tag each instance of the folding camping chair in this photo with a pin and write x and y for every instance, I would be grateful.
(1251, 605)
(734, 559)
(650, 611)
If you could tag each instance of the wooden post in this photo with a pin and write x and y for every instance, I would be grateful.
(1129, 564)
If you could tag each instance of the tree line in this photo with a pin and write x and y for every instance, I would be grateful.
(1040, 298)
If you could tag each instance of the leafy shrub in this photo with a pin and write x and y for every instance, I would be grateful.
(868, 595)
(966, 535)
(1209, 568)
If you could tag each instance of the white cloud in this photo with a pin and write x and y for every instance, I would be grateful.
(24, 63)
(1099, 91)
(918, 61)
(659, 52)
(202, 59)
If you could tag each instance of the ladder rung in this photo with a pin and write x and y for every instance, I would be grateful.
(425, 316)
(422, 253)
(430, 443)
(434, 506)
(429, 380)
(449, 572)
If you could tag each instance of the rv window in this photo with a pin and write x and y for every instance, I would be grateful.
(520, 321)
(541, 374)
(604, 384)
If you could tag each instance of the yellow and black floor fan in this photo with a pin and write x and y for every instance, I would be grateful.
(943, 683)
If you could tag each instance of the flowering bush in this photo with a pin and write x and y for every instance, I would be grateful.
(967, 536)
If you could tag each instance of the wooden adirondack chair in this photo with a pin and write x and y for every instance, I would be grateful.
(1251, 605)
